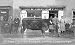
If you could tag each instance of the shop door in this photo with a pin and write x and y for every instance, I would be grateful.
(5, 14)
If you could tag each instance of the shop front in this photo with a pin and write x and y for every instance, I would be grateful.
(37, 17)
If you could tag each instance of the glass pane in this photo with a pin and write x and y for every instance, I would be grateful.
(32, 13)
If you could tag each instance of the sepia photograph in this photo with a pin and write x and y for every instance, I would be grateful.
(37, 22)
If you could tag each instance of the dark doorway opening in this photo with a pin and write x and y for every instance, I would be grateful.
(52, 13)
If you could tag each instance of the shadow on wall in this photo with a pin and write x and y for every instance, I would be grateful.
(16, 13)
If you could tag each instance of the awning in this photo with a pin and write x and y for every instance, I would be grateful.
(40, 7)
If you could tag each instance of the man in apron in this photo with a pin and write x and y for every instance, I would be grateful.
(55, 22)
(51, 27)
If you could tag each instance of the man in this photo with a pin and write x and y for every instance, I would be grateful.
(1, 24)
(10, 24)
(62, 25)
(51, 28)
(55, 22)
(17, 22)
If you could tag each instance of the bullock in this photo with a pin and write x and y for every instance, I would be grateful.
(35, 24)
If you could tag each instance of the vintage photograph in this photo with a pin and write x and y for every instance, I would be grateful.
(37, 22)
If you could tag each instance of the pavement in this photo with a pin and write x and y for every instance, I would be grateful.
(35, 38)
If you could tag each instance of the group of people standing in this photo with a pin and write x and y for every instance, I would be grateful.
(56, 25)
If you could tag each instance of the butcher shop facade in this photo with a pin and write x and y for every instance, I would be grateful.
(35, 17)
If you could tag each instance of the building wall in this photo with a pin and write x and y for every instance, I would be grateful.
(68, 10)
(69, 4)
(17, 3)
(7, 3)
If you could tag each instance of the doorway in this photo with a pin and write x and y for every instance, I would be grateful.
(52, 13)
(4, 13)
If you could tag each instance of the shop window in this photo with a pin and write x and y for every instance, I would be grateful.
(73, 19)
